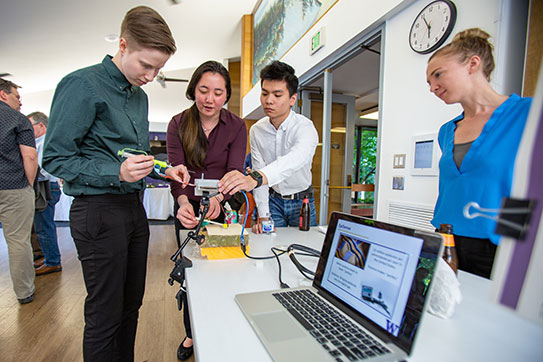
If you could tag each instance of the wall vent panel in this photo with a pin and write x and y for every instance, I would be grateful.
(417, 216)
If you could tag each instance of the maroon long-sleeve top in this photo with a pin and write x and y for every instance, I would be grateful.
(226, 147)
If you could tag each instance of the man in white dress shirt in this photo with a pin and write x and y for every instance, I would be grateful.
(44, 221)
(282, 149)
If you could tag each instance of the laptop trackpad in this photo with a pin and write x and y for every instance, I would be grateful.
(278, 326)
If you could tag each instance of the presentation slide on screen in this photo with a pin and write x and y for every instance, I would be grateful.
(372, 270)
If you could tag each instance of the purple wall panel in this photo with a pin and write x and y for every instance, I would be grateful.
(523, 249)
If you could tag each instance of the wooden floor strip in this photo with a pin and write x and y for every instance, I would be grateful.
(50, 329)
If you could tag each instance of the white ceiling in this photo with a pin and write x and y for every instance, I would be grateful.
(42, 41)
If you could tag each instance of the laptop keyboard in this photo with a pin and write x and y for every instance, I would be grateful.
(335, 333)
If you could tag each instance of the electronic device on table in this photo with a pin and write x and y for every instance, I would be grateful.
(366, 302)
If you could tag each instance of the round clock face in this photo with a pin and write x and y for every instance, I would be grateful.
(432, 26)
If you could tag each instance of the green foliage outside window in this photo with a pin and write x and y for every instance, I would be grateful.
(368, 157)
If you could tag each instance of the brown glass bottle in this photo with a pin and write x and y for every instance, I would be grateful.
(305, 215)
(449, 250)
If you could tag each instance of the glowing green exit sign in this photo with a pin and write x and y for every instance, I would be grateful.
(317, 40)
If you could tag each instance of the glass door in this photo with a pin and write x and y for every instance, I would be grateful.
(337, 186)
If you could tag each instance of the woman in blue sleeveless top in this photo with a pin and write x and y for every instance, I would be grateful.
(478, 147)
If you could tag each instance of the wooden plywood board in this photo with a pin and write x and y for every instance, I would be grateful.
(218, 236)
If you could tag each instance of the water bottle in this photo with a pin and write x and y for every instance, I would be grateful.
(267, 224)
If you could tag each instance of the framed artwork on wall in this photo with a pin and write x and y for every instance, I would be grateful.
(279, 24)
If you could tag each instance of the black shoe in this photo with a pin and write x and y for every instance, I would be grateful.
(28, 299)
(184, 353)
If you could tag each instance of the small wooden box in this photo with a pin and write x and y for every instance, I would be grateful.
(223, 243)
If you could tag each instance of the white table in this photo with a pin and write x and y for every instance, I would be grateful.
(157, 201)
(479, 330)
(62, 208)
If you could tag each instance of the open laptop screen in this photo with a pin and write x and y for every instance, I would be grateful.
(370, 267)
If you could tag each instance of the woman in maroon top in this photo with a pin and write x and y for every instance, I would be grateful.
(207, 139)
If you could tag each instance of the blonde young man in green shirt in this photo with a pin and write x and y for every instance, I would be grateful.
(97, 112)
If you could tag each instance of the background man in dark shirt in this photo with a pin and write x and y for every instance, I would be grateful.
(97, 112)
(19, 163)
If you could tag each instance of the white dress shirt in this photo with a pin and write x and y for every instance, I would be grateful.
(43, 175)
(284, 155)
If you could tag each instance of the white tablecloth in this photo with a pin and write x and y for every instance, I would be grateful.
(158, 203)
(62, 208)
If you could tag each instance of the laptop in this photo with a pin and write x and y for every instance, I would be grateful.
(367, 299)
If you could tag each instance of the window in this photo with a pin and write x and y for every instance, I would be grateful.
(364, 161)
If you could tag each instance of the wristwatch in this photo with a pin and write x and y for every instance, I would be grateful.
(257, 176)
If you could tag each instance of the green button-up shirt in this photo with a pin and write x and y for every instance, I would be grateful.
(95, 113)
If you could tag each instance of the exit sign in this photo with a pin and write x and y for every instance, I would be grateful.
(317, 40)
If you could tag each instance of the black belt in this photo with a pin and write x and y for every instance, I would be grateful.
(298, 196)
(133, 197)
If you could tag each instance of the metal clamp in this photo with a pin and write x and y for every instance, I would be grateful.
(513, 216)
(205, 186)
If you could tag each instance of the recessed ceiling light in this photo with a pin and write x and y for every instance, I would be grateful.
(373, 115)
(112, 38)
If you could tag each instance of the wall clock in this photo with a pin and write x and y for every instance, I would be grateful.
(432, 26)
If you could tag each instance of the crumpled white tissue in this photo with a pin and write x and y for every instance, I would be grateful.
(445, 293)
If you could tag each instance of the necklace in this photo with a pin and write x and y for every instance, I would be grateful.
(207, 129)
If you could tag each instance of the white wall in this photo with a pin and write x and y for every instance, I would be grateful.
(36, 101)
